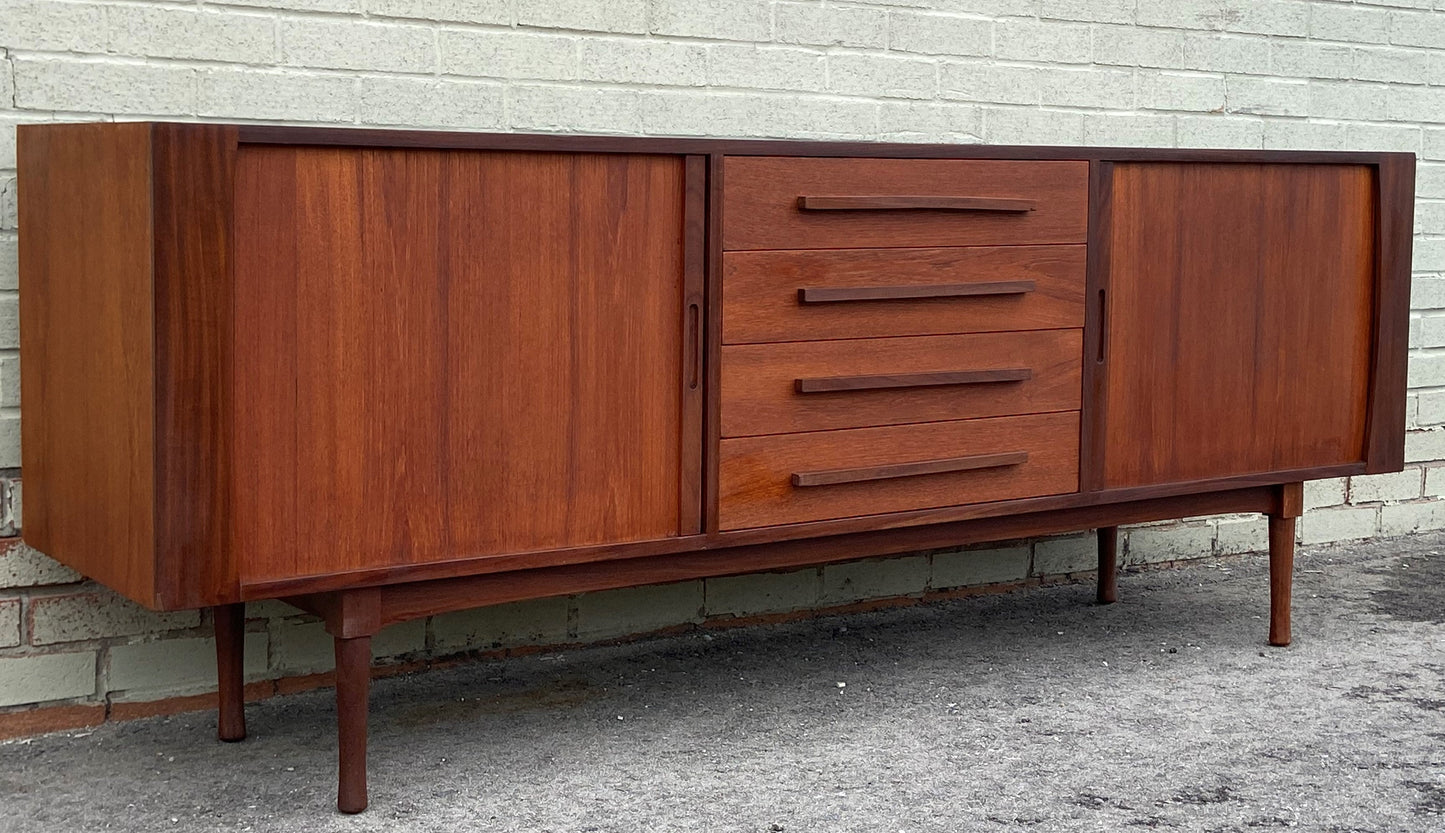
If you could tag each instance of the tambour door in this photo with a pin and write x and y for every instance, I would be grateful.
(1238, 309)
(445, 354)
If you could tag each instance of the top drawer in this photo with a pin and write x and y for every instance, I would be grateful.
(772, 202)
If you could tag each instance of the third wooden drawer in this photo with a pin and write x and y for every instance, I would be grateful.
(821, 475)
(820, 385)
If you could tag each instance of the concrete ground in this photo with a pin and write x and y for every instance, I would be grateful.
(1033, 710)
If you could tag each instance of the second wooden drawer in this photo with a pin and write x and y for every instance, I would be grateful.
(794, 478)
(820, 385)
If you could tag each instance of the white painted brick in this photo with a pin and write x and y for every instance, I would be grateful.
(1062, 555)
(104, 87)
(1128, 130)
(1235, 536)
(1127, 46)
(1430, 217)
(1345, 523)
(45, 677)
(9, 312)
(1426, 369)
(347, 44)
(1107, 88)
(752, 114)
(921, 121)
(301, 647)
(1383, 137)
(1407, 518)
(9, 219)
(174, 667)
(1042, 40)
(1181, 91)
(874, 579)
(939, 34)
(766, 68)
(1215, 131)
(422, 102)
(1418, 29)
(1311, 60)
(1263, 97)
(882, 76)
(1434, 147)
(76, 617)
(552, 108)
(7, 94)
(1226, 53)
(9, 623)
(762, 593)
(1267, 17)
(1183, 14)
(614, 613)
(1095, 11)
(1430, 180)
(1351, 24)
(590, 15)
(1431, 332)
(1394, 486)
(537, 622)
(1299, 135)
(746, 20)
(1019, 126)
(1424, 446)
(990, 82)
(1318, 493)
(642, 62)
(1435, 481)
(1427, 293)
(809, 23)
(52, 26)
(1337, 100)
(1388, 64)
(967, 568)
(1423, 104)
(1175, 542)
(170, 32)
(9, 262)
(302, 5)
(270, 94)
(23, 566)
(1429, 254)
(507, 55)
(449, 11)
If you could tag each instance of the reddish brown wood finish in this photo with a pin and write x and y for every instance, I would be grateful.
(1219, 280)
(1385, 437)
(761, 205)
(760, 390)
(910, 203)
(1281, 578)
(761, 292)
(88, 432)
(1108, 589)
(834, 294)
(353, 689)
(487, 351)
(230, 631)
(756, 472)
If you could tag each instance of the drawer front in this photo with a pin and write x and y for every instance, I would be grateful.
(863, 293)
(772, 202)
(794, 478)
(822, 385)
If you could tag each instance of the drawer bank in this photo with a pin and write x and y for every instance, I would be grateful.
(383, 374)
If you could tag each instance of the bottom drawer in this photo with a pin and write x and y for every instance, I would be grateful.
(821, 475)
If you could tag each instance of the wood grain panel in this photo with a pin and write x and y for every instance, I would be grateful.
(756, 472)
(87, 328)
(1238, 319)
(762, 210)
(487, 350)
(760, 393)
(761, 299)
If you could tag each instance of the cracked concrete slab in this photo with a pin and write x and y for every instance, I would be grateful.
(1033, 710)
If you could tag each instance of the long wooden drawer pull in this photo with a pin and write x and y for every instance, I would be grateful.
(978, 461)
(827, 384)
(835, 294)
(915, 203)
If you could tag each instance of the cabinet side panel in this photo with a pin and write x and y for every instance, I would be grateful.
(456, 353)
(1240, 300)
(86, 327)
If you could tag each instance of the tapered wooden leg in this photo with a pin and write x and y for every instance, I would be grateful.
(230, 671)
(353, 688)
(1108, 564)
(1281, 576)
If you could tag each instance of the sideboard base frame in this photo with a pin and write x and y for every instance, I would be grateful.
(353, 616)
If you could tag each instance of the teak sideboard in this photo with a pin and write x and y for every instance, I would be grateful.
(386, 374)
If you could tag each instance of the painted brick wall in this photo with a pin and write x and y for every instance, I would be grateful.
(1200, 73)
